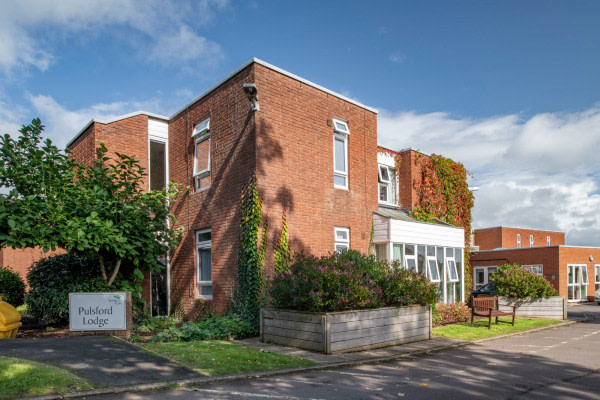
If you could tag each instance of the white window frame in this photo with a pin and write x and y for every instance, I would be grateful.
(341, 133)
(387, 183)
(430, 275)
(530, 240)
(411, 257)
(547, 240)
(202, 245)
(597, 276)
(449, 270)
(341, 242)
(537, 269)
(579, 283)
(486, 275)
(518, 240)
(201, 133)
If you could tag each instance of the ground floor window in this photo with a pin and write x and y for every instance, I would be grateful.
(342, 238)
(481, 275)
(442, 265)
(537, 269)
(204, 263)
(597, 275)
(577, 281)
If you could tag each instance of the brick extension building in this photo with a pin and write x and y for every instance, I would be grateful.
(573, 271)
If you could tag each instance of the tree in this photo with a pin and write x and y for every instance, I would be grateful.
(100, 210)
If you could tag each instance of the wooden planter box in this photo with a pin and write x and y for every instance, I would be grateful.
(346, 331)
(551, 308)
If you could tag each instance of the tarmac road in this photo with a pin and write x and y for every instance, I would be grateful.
(560, 363)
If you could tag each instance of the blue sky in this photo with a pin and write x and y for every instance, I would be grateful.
(509, 88)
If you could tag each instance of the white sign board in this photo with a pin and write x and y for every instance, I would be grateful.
(97, 311)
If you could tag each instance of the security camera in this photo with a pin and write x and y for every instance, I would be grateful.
(252, 94)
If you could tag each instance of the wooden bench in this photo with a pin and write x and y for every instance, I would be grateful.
(488, 307)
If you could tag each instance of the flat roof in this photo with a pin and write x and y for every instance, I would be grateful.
(539, 247)
(252, 60)
(515, 227)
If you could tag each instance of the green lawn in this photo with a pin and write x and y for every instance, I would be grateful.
(464, 331)
(23, 379)
(216, 357)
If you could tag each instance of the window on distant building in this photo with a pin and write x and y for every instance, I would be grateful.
(201, 134)
(340, 153)
(597, 275)
(537, 269)
(204, 263)
(387, 185)
(530, 240)
(547, 240)
(518, 240)
(342, 238)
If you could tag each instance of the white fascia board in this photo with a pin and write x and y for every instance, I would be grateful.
(119, 118)
(281, 71)
(386, 159)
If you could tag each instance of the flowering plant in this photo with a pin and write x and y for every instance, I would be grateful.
(347, 281)
(513, 281)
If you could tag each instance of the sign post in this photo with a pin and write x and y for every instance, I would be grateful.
(109, 312)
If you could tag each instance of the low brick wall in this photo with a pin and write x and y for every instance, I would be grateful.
(551, 308)
(342, 332)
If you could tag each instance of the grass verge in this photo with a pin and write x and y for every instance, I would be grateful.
(23, 379)
(465, 331)
(216, 357)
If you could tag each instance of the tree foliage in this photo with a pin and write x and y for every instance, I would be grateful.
(99, 210)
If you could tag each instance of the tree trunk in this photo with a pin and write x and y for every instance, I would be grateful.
(102, 268)
(115, 271)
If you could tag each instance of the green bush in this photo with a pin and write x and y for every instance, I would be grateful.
(513, 281)
(451, 313)
(229, 326)
(12, 288)
(52, 279)
(347, 281)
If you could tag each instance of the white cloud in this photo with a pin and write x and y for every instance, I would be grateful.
(397, 57)
(30, 28)
(184, 46)
(539, 172)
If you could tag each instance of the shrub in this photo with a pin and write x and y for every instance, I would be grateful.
(347, 281)
(52, 279)
(12, 288)
(451, 313)
(513, 281)
(229, 326)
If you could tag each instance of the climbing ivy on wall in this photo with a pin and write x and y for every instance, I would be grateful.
(251, 256)
(281, 252)
(443, 194)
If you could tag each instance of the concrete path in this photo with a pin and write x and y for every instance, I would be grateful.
(101, 360)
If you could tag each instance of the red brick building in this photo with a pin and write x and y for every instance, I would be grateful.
(503, 237)
(314, 154)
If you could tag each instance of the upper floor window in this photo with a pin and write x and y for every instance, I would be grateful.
(201, 134)
(518, 240)
(342, 238)
(547, 240)
(340, 153)
(530, 240)
(387, 184)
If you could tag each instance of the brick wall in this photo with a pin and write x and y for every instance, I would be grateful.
(21, 260)
(506, 237)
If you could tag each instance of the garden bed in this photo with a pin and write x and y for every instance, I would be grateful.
(346, 331)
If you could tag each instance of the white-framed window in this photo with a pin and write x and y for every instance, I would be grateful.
(381, 251)
(201, 134)
(204, 263)
(451, 271)
(481, 275)
(597, 276)
(518, 240)
(340, 153)
(387, 184)
(530, 240)
(342, 238)
(537, 269)
(577, 281)
(547, 240)
(432, 271)
(410, 258)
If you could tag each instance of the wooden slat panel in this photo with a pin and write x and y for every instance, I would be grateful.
(296, 325)
(373, 314)
(303, 344)
(372, 323)
(291, 315)
(290, 333)
(379, 331)
(382, 340)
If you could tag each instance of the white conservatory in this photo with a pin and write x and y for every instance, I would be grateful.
(435, 250)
